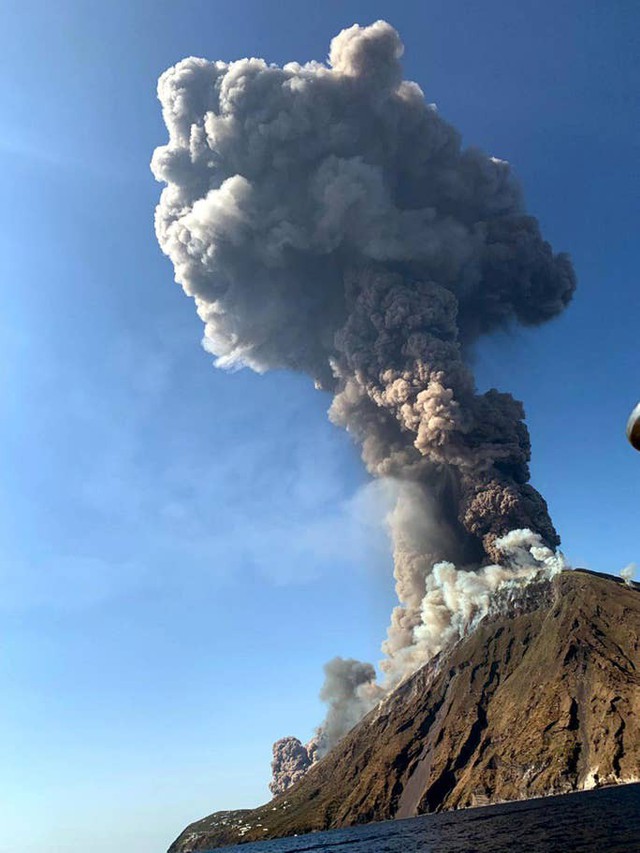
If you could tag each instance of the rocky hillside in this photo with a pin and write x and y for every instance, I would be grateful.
(543, 701)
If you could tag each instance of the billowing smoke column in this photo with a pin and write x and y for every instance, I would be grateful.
(326, 219)
(291, 760)
(350, 691)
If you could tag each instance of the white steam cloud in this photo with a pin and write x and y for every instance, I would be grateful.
(627, 574)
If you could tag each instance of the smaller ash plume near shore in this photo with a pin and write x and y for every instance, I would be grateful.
(326, 219)
(291, 760)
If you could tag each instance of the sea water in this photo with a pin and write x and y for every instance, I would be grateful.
(602, 821)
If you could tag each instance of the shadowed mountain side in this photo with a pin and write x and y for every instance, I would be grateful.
(542, 702)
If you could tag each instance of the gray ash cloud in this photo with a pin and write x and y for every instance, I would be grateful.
(291, 760)
(326, 219)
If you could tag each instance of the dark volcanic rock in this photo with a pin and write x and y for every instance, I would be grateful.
(545, 700)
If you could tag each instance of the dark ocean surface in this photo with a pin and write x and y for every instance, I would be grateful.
(604, 820)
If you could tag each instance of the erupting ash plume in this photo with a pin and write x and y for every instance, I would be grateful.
(326, 219)
(350, 691)
(291, 760)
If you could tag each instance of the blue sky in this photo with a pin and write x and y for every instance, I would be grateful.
(179, 554)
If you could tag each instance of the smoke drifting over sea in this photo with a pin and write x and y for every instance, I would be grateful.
(326, 219)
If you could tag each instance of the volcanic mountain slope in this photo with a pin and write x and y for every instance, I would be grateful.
(540, 702)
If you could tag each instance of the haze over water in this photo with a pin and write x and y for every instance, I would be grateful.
(588, 822)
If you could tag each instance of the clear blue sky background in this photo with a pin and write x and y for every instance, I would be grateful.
(183, 549)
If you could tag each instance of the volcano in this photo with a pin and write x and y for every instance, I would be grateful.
(543, 698)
